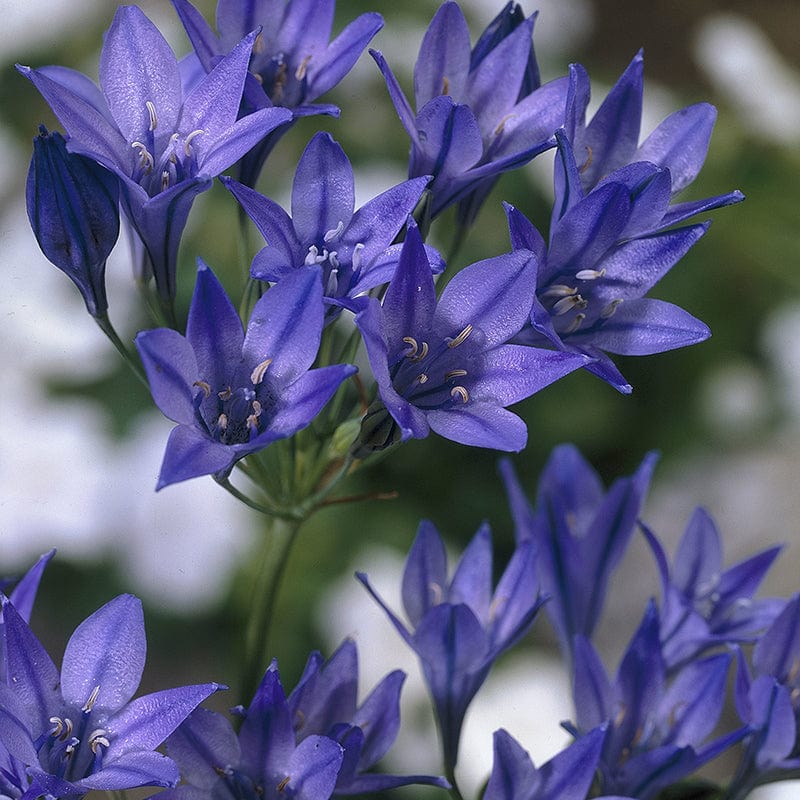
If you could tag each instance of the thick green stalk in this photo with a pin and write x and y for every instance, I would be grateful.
(265, 585)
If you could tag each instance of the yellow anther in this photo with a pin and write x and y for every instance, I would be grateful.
(257, 375)
(460, 391)
(445, 85)
(151, 110)
(283, 784)
(164, 181)
(225, 394)
(422, 378)
(568, 303)
(461, 338)
(559, 290)
(258, 44)
(222, 421)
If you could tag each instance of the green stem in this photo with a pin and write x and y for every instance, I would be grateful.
(455, 792)
(105, 325)
(270, 567)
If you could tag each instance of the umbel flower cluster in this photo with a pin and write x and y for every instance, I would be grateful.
(264, 391)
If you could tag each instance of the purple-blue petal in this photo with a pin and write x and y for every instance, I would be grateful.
(171, 368)
(190, 454)
(107, 650)
(481, 424)
(444, 57)
(425, 574)
(472, 581)
(323, 192)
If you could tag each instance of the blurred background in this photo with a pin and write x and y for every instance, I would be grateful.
(81, 444)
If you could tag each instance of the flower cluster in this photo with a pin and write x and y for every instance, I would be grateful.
(264, 388)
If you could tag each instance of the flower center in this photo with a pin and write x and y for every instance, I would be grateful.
(284, 83)
(582, 305)
(67, 750)
(177, 162)
(432, 378)
(234, 416)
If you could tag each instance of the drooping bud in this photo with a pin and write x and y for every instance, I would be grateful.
(73, 208)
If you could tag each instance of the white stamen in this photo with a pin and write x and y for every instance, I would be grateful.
(356, 260)
(502, 124)
(147, 162)
(257, 375)
(225, 394)
(575, 324)
(311, 256)
(423, 351)
(334, 233)
(609, 310)
(568, 303)
(412, 343)
(98, 738)
(151, 110)
(461, 338)
(460, 391)
(164, 181)
(300, 72)
(333, 259)
(89, 704)
(222, 421)
(204, 386)
(559, 290)
(590, 274)
(455, 373)
(256, 408)
(422, 378)
(188, 141)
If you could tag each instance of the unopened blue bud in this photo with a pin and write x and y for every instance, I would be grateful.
(73, 208)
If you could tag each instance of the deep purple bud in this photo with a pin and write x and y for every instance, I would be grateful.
(73, 208)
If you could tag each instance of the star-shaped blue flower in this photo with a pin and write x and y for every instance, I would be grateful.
(165, 145)
(459, 626)
(480, 112)
(447, 366)
(234, 392)
(703, 605)
(69, 733)
(353, 248)
(581, 532)
(608, 247)
(315, 743)
(657, 731)
(293, 61)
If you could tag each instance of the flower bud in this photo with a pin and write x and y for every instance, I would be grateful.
(73, 208)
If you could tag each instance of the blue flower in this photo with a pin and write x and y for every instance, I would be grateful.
(611, 139)
(566, 776)
(446, 366)
(318, 739)
(263, 761)
(581, 533)
(607, 249)
(67, 734)
(657, 731)
(768, 702)
(293, 61)
(480, 112)
(458, 627)
(233, 393)
(73, 208)
(704, 605)
(164, 145)
(353, 249)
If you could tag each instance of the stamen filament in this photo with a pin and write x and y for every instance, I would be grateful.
(462, 337)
